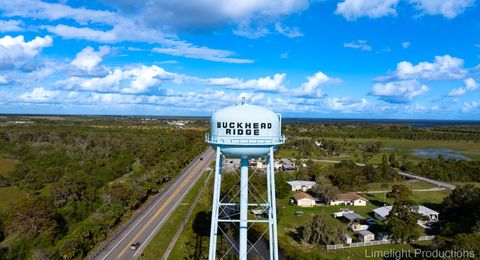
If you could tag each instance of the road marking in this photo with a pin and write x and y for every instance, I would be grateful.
(146, 241)
(160, 199)
(169, 199)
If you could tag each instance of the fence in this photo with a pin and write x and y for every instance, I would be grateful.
(372, 243)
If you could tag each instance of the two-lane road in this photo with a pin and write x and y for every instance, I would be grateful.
(144, 226)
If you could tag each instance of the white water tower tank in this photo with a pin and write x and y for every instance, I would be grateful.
(245, 131)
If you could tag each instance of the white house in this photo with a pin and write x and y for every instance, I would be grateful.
(349, 198)
(382, 212)
(301, 185)
(341, 213)
(355, 227)
(365, 236)
(303, 199)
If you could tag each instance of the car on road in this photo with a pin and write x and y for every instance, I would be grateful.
(135, 246)
(201, 158)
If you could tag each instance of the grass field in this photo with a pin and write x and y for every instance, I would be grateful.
(159, 244)
(288, 222)
(401, 147)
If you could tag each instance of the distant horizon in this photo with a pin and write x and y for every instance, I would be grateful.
(207, 117)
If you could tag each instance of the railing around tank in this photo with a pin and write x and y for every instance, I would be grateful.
(265, 140)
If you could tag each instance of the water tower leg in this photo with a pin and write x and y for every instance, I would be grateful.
(243, 210)
(270, 212)
(274, 204)
(215, 204)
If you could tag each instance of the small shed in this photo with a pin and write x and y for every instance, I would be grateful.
(347, 239)
(303, 199)
(366, 236)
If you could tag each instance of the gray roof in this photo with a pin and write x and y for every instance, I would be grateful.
(385, 210)
(352, 216)
(365, 233)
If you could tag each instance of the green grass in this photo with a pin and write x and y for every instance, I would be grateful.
(400, 146)
(377, 186)
(159, 244)
(6, 165)
(288, 222)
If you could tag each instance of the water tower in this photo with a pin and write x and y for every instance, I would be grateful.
(245, 131)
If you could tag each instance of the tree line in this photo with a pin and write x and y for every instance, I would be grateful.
(82, 181)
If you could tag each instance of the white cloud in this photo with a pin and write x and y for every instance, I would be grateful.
(11, 26)
(284, 55)
(39, 95)
(448, 8)
(15, 50)
(359, 44)
(3, 80)
(470, 106)
(312, 88)
(290, 32)
(134, 80)
(405, 45)
(128, 27)
(251, 33)
(354, 9)
(470, 85)
(443, 68)
(266, 84)
(347, 105)
(204, 53)
(176, 15)
(54, 11)
(398, 91)
(88, 59)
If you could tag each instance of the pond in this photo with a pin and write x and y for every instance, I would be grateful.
(435, 152)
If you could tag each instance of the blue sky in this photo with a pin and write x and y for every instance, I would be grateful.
(406, 59)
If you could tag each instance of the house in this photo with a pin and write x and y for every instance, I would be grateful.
(382, 213)
(356, 227)
(365, 236)
(351, 217)
(288, 166)
(303, 199)
(301, 185)
(347, 239)
(341, 213)
(349, 198)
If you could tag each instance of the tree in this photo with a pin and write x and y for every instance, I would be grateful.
(402, 219)
(33, 216)
(393, 160)
(325, 190)
(322, 230)
(460, 212)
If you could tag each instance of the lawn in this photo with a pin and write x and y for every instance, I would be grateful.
(159, 244)
(288, 223)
